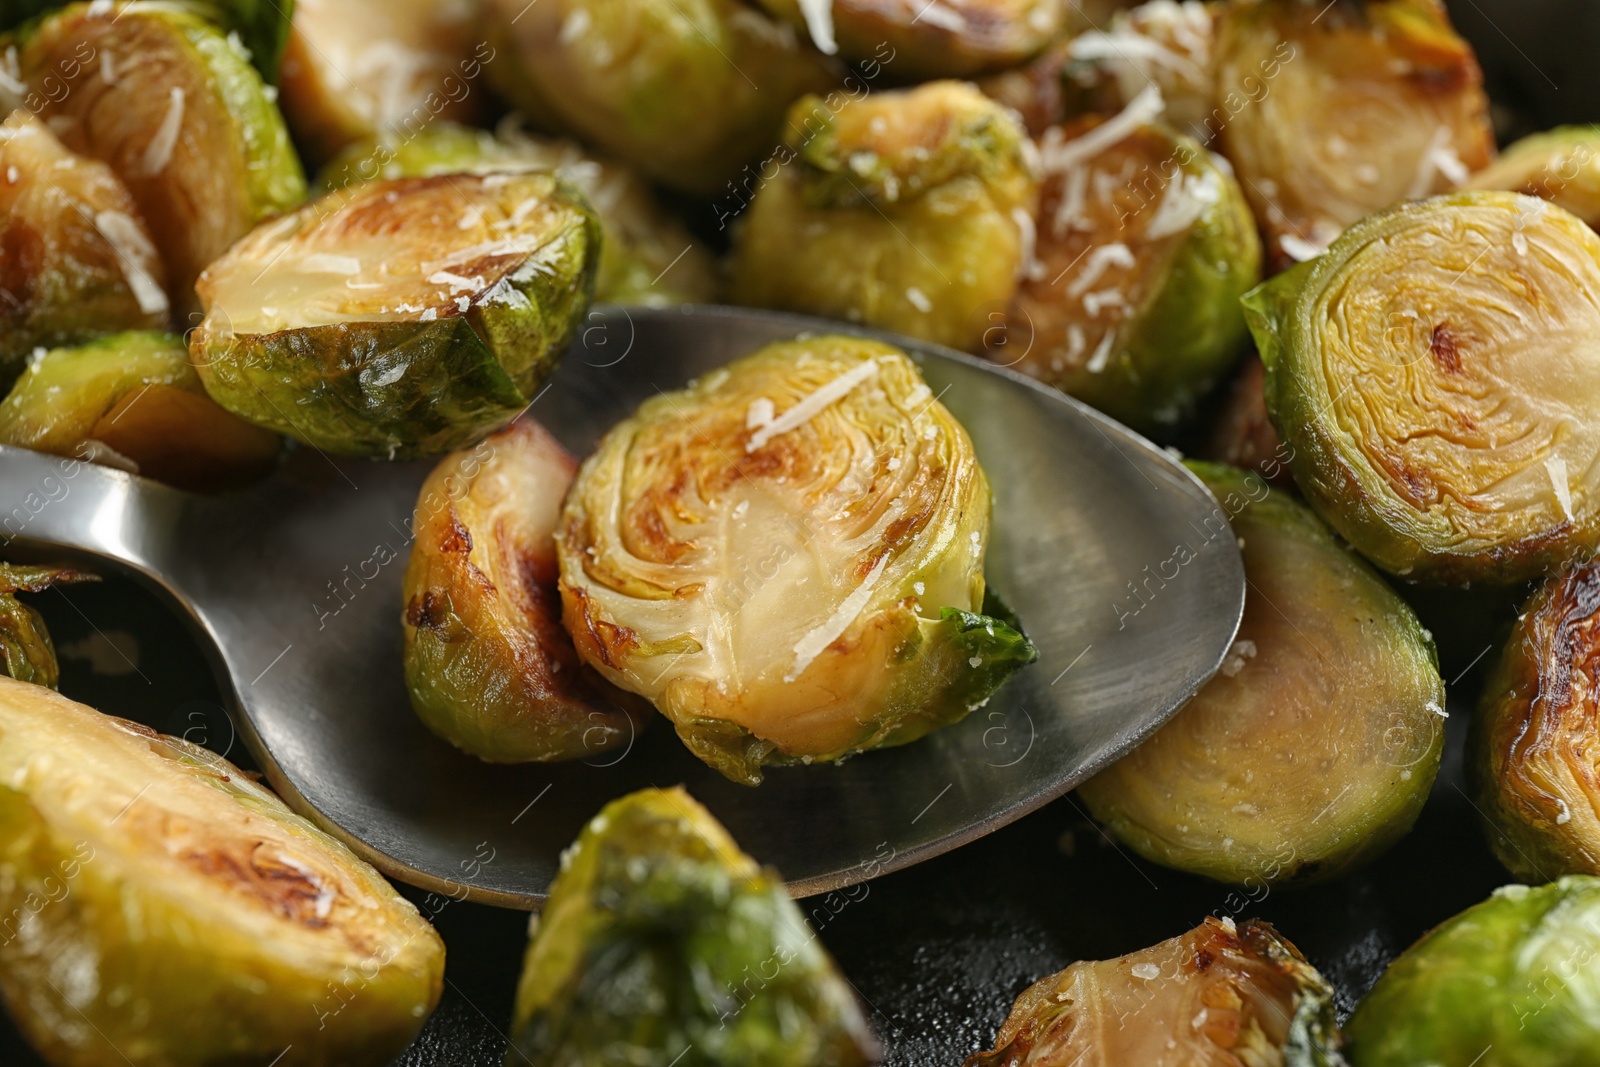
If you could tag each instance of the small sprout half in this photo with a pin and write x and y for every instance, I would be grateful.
(1561, 166)
(75, 259)
(358, 69)
(1437, 378)
(646, 255)
(686, 91)
(786, 558)
(907, 210)
(26, 651)
(916, 39)
(661, 943)
(134, 401)
(175, 109)
(400, 317)
(488, 665)
(1510, 982)
(1330, 112)
(1219, 995)
(1532, 763)
(156, 902)
(1130, 299)
(1315, 747)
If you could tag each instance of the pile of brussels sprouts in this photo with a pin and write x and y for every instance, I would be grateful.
(1276, 232)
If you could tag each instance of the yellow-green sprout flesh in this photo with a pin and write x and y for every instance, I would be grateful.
(1437, 376)
(786, 558)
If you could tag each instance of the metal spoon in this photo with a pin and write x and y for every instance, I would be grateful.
(296, 583)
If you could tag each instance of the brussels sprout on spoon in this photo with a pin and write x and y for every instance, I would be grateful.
(401, 317)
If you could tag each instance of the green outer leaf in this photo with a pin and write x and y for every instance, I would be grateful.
(26, 651)
(1510, 982)
(662, 944)
(54, 406)
(262, 25)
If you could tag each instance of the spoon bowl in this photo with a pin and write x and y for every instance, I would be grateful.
(1119, 563)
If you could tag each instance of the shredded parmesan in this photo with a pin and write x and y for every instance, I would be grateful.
(1299, 249)
(1028, 266)
(455, 281)
(134, 250)
(1095, 264)
(1556, 467)
(945, 18)
(919, 300)
(1439, 159)
(761, 413)
(329, 263)
(1059, 155)
(812, 405)
(819, 23)
(108, 73)
(1102, 355)
(159, 151)
(1185, 200)
(811, 645)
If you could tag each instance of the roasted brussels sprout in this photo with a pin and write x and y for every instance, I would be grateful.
(74, 257)
(26, 652)
(1242, 434)
(1130, 300)
(358, 69)
(906, 210)
(920, 40)
(1531, 761)
(401, 317)
(1433, 376)
(1561, 166)
(687, 91)
(646, 255)
(1223, 995)
(158, 904)
(786, 558)
(174, 108)
(1510, 982)
(1330, 112)
(133, 400)
(662, 944)
(1315, 747)
(488, 665)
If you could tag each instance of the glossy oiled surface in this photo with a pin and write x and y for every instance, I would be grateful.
(297, 582)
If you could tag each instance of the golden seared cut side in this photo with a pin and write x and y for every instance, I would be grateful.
(1437, 375)
(75, 258)
(1221, 995)
(908, 210)
(488, 665)
(786, 558)
(159, 908)
(1331, 113)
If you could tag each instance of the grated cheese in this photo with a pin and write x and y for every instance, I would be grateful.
(134, 250)
(819, 23)
(812, 405)
(811, 645)
(1061, 156)
(159, 151)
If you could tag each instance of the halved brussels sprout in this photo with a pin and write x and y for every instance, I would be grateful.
(358, 69)
(175, 109)
(401, 317)
(26, 651)
(1531, 762)
(1561, 166)
(646, 255)
(158, 904)
(661, 943)
(488, 665)
(906, 210)
(1435, 376)
(1221, 994)
(134, 401)
(1315, 747)
(1164, 44)
(1510, 982)
(786, 558)
(1332, 111)
(74, 257)
(921, 39)
(1130, 300)
(687, 91)
(1242, 434)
